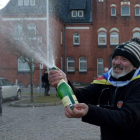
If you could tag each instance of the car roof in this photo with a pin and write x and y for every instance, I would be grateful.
(2, 78)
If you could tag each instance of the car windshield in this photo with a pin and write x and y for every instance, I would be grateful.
(5, 82)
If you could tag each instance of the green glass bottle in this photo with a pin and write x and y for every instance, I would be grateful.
(66, 93)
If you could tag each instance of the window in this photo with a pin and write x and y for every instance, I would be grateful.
(32, 31)
(137, 11)
(99, 67)
(76, 39)
(61, 37)
(80, 13)
(101, 0)
(102, 38)
(26, 2)
(18, 31)
(125, 11)
(74, 13)
(82, 64)
(20, 2)
(23, 66)
(114, 38)
(70, 64)
(136, 34)
(32, 2)
(113, 11)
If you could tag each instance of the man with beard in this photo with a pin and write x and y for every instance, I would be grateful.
(112, 101)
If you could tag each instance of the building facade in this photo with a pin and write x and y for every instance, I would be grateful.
(82, 35)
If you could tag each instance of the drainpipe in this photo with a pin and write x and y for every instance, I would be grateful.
(65, 62)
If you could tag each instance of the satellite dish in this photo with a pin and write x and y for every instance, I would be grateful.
(3, 3)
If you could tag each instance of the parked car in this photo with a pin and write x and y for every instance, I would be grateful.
(9, 90)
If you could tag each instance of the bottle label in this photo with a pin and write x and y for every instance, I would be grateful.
(75, 99)
(60, 82)
(66, 101)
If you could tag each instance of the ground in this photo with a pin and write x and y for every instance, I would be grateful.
(43, 123)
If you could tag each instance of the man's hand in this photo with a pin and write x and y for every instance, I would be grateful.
(79, 111)
(55, 76)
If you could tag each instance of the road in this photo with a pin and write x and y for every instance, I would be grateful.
(43, 123)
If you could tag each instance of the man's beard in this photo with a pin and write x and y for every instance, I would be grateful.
(116, 75)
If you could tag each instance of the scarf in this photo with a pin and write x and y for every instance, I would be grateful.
(106, 79)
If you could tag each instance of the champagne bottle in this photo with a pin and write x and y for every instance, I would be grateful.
(66, 93)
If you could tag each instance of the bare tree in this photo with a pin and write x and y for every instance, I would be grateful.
(24, 51)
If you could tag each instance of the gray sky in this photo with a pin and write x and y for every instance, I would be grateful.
(3, 3)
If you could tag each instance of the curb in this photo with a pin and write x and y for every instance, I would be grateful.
(16, 104)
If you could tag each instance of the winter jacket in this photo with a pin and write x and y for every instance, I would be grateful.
(115, 109)
(45, 79)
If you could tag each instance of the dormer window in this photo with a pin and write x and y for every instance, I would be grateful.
(26, 2)
(77, 13)
(80, 13)
(20, 2)
(74, 13)
(32, 2)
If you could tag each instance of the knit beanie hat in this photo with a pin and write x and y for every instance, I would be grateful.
(129, 50)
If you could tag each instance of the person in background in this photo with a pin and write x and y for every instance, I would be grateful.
(46, 83)
(112, 101)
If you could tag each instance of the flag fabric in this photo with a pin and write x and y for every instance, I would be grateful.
(106, 79)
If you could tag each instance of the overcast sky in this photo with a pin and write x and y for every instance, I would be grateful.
(3, 3)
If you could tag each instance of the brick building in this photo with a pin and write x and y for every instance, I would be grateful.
(111, 23)
(83, 34)
(26, 21)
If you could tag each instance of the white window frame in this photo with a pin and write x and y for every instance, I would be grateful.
(100, 63)
(82, 61)
(139, 11)
(18, 32)
(32, 2)
(101, 0)
(26, 66)
(70, 61)
(122, 11)
(138, 34)
(81, 12)
(111, 11)
(76, 35)
(116, 35)
(72, 13)
(32, 26)
(20, 2)
(26, 2)
(100, 35)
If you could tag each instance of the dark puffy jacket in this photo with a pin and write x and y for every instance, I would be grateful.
(45, 79)
(115, 110)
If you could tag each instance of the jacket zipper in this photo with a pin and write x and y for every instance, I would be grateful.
(115, 95)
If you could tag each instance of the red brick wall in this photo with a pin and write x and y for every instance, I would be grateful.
(9, 62)
(101, 14)
(101, 17)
